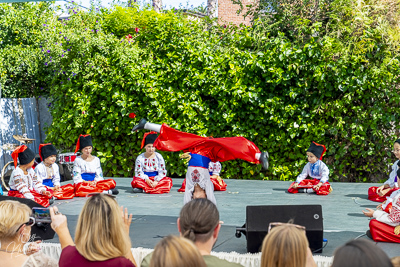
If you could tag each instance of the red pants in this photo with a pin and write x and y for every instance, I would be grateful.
(84, 188)
(373, 196)
(217, 186)
(163, 186)
(216, 149)
(40, 199)
(325, 188)
(381, 232)
(65, 192)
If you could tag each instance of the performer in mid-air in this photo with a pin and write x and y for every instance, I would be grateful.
(202, 151)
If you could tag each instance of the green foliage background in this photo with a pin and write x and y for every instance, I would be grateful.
(332, 81)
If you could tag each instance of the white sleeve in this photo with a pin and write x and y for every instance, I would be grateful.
(139, 168)
(37, 185)
(77, 171)
(303, 175)
(216, 168)
(19, 183)
(99, 171)
(162, 171)
(391, 181)
(56, 178)
(392, 218)
(40, 173)
(324, 173)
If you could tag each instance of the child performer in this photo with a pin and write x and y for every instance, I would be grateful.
(214, 168)
(316, 169)
(87, 172)
(380, 193)
(150, 171)
(385, 226)
(23, 181)
(202, 151)
(48, 173)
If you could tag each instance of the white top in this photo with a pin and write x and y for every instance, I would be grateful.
(392, 218)
(24, 183)
(42, 174)
(82, 166)
(391, 181)
(322, 175)
(156, 164)
(214, 167)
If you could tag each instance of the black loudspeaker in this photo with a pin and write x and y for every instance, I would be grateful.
(258, 219)
(41, 231)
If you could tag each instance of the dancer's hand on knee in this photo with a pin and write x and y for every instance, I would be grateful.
(369, 212)
(295, 185)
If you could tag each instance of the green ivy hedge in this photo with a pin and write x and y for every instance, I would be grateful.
(219, 81)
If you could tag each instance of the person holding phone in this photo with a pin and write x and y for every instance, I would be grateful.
(15, 234)
(101, 236)
(24, 182)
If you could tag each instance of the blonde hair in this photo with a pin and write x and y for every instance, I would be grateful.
(12, 215)
(285, 246)
(173, 251)
(100, 232)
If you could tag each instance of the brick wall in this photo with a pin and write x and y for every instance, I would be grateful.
(227, 12)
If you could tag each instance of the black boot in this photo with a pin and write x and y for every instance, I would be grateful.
(115, 191)
(264, 160)
(140, 126)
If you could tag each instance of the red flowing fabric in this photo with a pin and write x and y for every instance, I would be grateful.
(216, 149)
(381, 232)
(373, 196)
(325, 188)
(217, 186)
(84, 188)
(65, 192)
(163, 186)
(40, 199)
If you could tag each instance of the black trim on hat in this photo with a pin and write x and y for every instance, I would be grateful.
(48, 151)
(397, 141)
(26, 156)
(85, 141)
(316, 150)
(150, 139)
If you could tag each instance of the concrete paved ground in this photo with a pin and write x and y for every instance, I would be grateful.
(155, 215)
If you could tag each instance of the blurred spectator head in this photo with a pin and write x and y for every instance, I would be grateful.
(15, 221)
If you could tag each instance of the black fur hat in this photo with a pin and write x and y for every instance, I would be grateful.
(24, 154)
(317, 149)
(46, 150)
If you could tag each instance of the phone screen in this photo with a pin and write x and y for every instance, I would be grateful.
(42, 215)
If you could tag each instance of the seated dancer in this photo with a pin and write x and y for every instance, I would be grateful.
(316, 169)
(87, 172)
(48, 173)
(214, 168)
(150, 171)
(23, 181)
(385, 225)
(380, 193)
(202, 151)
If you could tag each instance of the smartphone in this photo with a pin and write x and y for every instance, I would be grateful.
(41, 215)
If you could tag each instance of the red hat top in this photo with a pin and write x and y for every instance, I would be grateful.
(23, 154)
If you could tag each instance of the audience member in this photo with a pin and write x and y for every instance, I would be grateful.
(101, 236)
(286, 245)
(15, 233)
(173, 251)
(199, 222)
(395, 261)
(360, 253)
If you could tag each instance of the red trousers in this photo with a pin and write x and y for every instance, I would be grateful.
(65, 192)
(84, 188)
(217, 186)
(163, 186)
(373, 196)
(325, 188)
(381, 232)
(216, 149)
(40, 199)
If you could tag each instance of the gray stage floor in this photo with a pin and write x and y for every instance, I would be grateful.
(154, 216)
